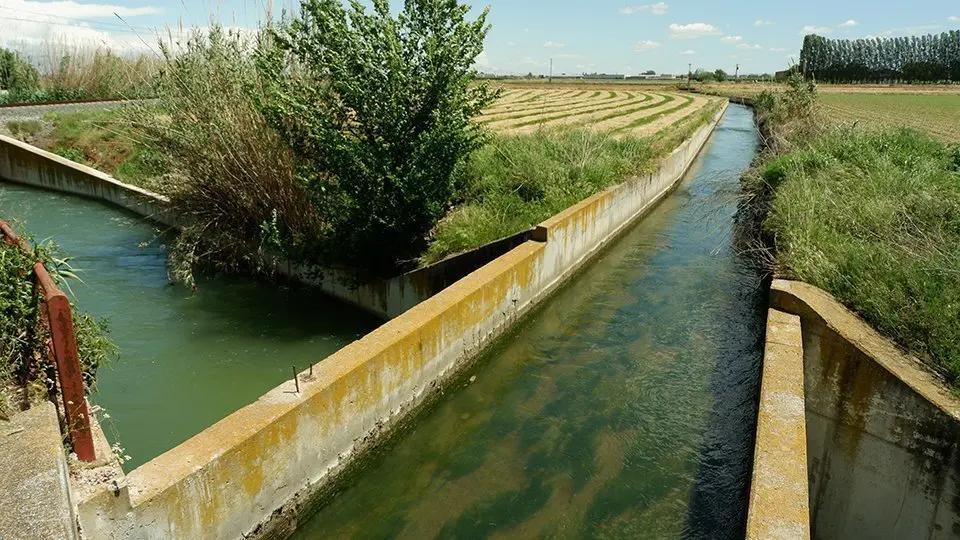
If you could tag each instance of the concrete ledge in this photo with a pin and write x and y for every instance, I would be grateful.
(22, 163)
(34, 480)
(883, 431)
(779, 499)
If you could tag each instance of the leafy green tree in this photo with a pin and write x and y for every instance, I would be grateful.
(720, 75)
(378, 108)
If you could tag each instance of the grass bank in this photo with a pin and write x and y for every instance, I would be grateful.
(873, 217)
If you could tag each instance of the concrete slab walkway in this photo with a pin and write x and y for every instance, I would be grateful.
(34, 479)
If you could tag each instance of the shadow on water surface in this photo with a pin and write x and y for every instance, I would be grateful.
(623, 407)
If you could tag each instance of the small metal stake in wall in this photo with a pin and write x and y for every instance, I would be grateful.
(296, 380)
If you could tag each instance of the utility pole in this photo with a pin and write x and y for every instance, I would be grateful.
(736, 75)
(689, 74)
(551, 70)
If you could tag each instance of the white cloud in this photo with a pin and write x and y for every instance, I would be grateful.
(763, 22)
(644, 46)
(553, 45)
(693, 30)
(731, 39)
(849, 24)
(777, 49)
(482, 60)
(750, 47)
(954, 19)
(660, 8)
(28, 24)
(689, 53)
(910, 30)
(511, 44)
(74, 10)
(568, 56)
(813, 29)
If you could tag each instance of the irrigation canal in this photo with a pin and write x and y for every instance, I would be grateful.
(622, 407)
(186, 360)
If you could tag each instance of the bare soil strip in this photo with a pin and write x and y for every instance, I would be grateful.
(525, 112)
(532, 98)
(668, 120)
(586, 118)
(625, 121)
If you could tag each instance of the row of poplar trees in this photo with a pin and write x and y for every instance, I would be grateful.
(930, 58)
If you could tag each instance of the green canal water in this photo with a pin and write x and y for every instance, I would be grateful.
(186, 360)
(624, 407)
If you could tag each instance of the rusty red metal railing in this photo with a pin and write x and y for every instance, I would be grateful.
(63, 350)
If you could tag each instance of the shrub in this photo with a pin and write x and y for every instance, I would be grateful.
(17, 76)
(380, 112)
(23, 341)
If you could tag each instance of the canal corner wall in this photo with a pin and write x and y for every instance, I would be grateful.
(252, 473)
(882, 431)
(22, 163)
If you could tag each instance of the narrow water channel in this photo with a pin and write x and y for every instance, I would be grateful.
(624, 407)
(186, 360)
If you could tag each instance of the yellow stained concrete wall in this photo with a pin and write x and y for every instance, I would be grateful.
(252, 472)
(779, 501)
(883, 432)
(24, 164)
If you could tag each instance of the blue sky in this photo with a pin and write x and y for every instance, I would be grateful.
(580, 35)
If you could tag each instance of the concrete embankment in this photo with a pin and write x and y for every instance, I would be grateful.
(22, 163)
(253, 472)
(34, 481)
(882, 431)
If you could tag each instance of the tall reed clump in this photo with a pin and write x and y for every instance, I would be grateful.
(27, 373)
(61, 72)
(230, 175)
(98, 73)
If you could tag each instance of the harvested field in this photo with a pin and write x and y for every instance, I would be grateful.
(618, 111)
(935, 113)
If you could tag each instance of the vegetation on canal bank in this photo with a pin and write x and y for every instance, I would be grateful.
(517, 181)
(870, 215)
(26, 371)
(294, 143)
(74, 73)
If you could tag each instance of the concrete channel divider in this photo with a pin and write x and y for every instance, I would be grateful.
(254, 473)
(779, 499)
(883, 430)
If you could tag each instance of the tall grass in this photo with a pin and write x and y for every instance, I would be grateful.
(874, 218)
(870, 216)
(25, 366)
(229, 174)
(515, 182)
(73, 72)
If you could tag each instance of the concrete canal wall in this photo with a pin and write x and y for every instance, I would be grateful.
(882, 432)
(253, 472)
(24, 164)
(779, 500)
